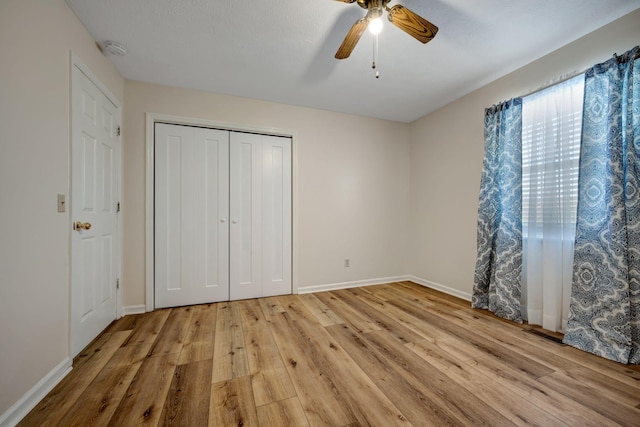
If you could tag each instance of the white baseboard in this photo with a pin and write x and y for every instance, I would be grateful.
(30, 399)
(441, 288)
(133, 309)
(347, 285)
(383, 280)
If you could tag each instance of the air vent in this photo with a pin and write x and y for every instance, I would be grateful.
(546, 335)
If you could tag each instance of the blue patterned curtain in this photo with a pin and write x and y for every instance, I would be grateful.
(497, 284)
(604, 316)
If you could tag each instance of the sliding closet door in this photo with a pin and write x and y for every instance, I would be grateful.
(191, 215)
(260, 234)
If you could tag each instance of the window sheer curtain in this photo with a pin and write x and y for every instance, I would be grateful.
(605, 305)
(498, 270)
(551, 128)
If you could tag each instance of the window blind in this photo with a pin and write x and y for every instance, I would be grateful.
(551, 130)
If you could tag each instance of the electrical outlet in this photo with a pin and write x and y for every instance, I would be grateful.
(346, 262)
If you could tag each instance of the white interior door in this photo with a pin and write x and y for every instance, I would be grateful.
(191, 215)
(94, 178)
(246, 216)
(276, 216)
(260, 212)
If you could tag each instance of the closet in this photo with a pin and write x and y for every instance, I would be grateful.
(222, 215)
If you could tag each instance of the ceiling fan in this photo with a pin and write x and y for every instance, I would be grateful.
(403, 18)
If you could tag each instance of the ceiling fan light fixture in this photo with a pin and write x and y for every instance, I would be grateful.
(375, 25)
(409, 22)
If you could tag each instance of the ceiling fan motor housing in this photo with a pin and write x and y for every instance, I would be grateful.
(368, 4)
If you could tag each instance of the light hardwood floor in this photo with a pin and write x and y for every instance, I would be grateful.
(396, 354)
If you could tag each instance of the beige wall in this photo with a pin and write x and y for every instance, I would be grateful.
(35, 39)
(447, 147)
(353, 183)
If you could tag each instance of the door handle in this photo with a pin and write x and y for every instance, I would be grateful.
(79, 225)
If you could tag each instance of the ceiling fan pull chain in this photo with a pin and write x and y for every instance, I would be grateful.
(375, 55)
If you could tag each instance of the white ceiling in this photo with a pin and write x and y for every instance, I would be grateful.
(283, 50)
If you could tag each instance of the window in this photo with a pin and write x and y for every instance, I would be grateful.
(551, 133)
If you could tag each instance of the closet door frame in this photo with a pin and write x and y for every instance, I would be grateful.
(151, 119)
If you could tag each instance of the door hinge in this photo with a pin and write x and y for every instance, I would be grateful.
(117, 283)
(118, 130)
(118, 207)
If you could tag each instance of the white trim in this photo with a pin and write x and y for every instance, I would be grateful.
(354, 284)
(151, 119)
(441, 288)
(133, 309)
(75, 61)
(384, 280)
(31, 398)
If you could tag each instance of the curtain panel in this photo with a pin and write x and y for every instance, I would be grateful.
(605, 299)
(497, 282)
(551, 129)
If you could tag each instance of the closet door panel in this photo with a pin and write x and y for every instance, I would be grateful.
(191, 212)
(276, 213)
(246, 215)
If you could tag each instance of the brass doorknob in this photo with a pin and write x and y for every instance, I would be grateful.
(79, 225)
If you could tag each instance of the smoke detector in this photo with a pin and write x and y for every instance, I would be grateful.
(114, 48)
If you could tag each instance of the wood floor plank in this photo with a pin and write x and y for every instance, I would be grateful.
(418, 326)
(173, 334)
(432, 295)
(491, 393)
(126, 323)
(189, 396)
(229, 350)
(378, 317)
(146, 331)
(272, 385)
(616, 411)
(360, 396)
(232, 404)
(382, 292)
(605, 385)
(198, 344)
(403, 391)
(262, 351)
(287, 412)
(569, 361)
(147, 392)
(98, 403)
(464, 405)
(296, 310)
(391, 354)
(532, 390)
(486, 344)
(323, 314)
(317, 392)
(87, 365)
(361, 322)
(269, 378)
(271, 306)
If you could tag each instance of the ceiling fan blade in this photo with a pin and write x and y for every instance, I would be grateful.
(352, 38)
(412, 23)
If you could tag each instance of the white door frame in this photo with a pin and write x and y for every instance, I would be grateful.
(75, 61)
(151, 119)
